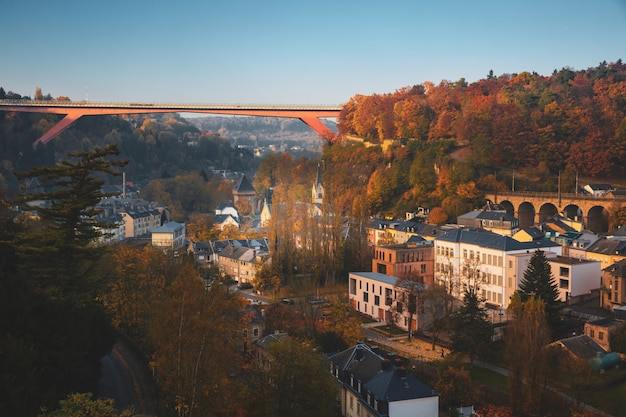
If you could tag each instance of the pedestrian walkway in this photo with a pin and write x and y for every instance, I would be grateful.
(416, 348)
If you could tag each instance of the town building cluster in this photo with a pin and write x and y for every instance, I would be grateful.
(485, 250)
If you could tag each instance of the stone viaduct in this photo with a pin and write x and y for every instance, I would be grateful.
(535, 207)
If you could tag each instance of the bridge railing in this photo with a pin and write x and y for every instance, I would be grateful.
(191, 106)
(552, 195)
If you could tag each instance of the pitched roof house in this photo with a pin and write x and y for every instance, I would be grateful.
(373, 385)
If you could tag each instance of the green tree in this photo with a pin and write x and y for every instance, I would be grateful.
(539, 282)
(65, 239)
(471, 331)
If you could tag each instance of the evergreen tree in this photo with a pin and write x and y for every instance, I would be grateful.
(64, 240)
(471, 331)
(55, 329)
(539, 282)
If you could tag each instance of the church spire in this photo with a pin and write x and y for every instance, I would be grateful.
(317, 192)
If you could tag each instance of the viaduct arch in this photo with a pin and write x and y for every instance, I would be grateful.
(531, 208)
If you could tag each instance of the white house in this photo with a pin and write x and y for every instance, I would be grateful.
(575, 276)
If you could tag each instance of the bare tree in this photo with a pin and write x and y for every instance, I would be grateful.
(438, 305)
(411, 287)
(527, 336)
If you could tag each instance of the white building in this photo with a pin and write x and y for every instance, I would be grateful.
(473, 258)
(170, 235)
(376, 295)
(575, 276)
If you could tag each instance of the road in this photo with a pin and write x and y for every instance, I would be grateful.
(126, 380)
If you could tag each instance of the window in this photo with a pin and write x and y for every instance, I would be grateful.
(465, 253)
(423, 268)
(510, 263)
(376, 300)
(564, 284)
(592, 333)
(563, 272)
(601, 335)
(366, 297)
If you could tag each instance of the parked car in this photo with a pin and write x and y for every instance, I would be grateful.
(287, 301)
(316, 301)
(244, 286)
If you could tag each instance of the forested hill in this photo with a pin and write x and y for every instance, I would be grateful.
(253, 130)
(573, 117)
(156, 146)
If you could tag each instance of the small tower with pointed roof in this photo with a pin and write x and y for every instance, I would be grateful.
(244, 190)
(317, 191)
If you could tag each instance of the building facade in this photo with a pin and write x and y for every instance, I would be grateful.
(472, 258)
(406, 260)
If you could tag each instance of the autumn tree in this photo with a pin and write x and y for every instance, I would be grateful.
(437, 216)
(137, 280)
(456, 388)
(301, 386)
(200, 228)
(194, 352)
(526, 337)
(341, 320)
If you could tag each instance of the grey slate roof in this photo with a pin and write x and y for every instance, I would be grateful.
(490, 240)
(618, 269)
(381, 377)
(608, 247)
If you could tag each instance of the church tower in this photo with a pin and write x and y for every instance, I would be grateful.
(317, 191)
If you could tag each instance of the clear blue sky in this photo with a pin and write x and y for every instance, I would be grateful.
(291, 52)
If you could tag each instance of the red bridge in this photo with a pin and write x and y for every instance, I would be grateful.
(309, 114)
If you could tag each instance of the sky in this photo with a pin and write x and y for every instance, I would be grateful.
(291, 52)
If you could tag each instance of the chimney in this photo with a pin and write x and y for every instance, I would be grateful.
(358, 355)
